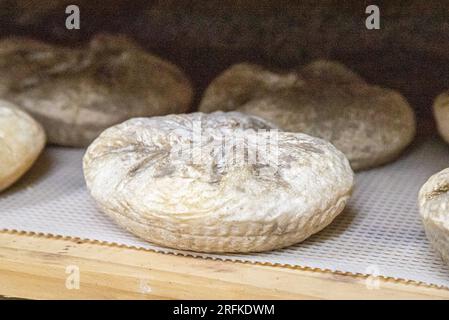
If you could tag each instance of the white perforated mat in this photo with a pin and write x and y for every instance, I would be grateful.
(379, 233)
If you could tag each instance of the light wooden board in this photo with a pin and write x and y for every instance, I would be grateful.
(33, 266)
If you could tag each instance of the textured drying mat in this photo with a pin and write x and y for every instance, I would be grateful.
(379, 233)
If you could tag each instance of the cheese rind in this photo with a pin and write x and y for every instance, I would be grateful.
(76, 93)
(434, 208)
(21, 141)
(223, 202)
(441, 114)
(369, 124)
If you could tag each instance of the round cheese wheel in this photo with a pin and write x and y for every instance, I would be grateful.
(219, 182)
(76, 93)
(434, 209)
(369, 124)
(441, 113)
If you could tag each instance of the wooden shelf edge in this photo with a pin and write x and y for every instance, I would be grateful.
(38, 267)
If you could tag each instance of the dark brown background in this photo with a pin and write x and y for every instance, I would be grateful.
(410, 52)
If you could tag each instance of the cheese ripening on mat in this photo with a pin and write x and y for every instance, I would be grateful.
(157, 178)
(441, 114)
(21, 141)
(434, 209)
(76, 93)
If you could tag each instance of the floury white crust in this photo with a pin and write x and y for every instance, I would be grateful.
(434, 209)
(223, 203)
(441, 113)
(369, 124)
(21, 141)
(76, 93)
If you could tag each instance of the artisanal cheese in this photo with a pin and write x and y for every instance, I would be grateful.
(21, 141)
(219, 182)
(441, 113)
(76, 93)
(369, 124)
(434, 209)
